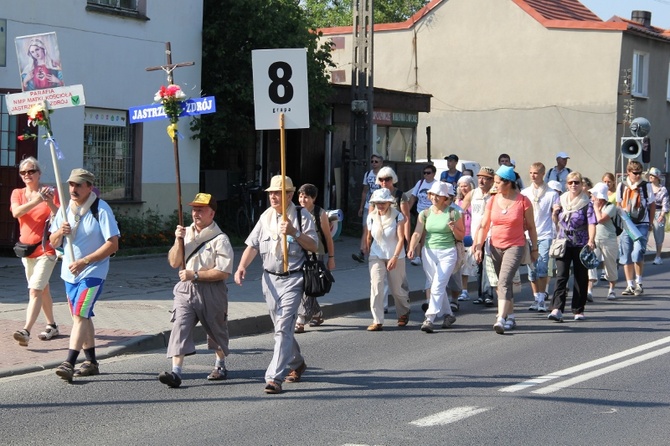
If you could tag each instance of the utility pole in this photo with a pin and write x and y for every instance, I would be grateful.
(361, 142)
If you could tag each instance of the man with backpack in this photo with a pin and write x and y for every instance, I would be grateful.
(636, 197)
(560, 171)
(93, 239)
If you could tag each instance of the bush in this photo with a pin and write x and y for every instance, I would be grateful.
(148, 229)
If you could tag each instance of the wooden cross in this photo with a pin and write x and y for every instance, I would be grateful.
(169, 68)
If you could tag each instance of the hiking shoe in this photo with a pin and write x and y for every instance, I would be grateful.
(416, 261)
(464, 296)
(87, 368)
(65, 371)
(589, 297)
(454, 307)
(629, 291)
(23, 337)
(510, 323)
(449, 320)
(218, 374)
(488, 301)
(638, 290)
(533, 306)
(658, 261)
(360, 258)
(427, 326)
(542, 307)
(499, 326)
(49, 332)
(170, 379)
(611, 296)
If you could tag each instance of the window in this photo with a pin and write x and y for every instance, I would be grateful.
(121, 4)
(127, 8)
(7, 136)
(640, 74)
(110, 153)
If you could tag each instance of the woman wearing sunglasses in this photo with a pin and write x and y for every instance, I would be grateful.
(33, 206)
(576, 222)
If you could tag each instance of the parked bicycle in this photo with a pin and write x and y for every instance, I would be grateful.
(250, 207)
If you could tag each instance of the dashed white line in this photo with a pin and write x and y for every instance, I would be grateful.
(578, 368)
(450, 416)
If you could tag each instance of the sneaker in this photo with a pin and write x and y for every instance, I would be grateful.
(658, 261)
(499, 326)
(510, 323)
(427, 326)
(611, 296)
(534, 306)
(478, 301)
(589, 297)
(542, 307)
(488, 301)
(49, 333)
(603, 277)
(464, 296)
(454, 307)
(360, 258)
(416, 261)
(449, 320)
(638, 290)
(579, 317)
(65, 371)
(170, 379)
(87, 368)
(629, 291)
(218, 374)
(555, 316)
(23, 337)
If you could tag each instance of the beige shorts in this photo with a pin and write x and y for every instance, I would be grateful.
(38, 271)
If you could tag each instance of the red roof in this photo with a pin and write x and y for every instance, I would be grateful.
(562, 10)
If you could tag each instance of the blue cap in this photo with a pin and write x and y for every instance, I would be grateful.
(506, 173)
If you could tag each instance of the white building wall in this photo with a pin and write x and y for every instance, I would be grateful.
(108, 55)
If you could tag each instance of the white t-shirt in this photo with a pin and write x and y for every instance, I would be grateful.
(477, 208)
(385, 248)
(542, 208)
(420, 191)
(370, 180)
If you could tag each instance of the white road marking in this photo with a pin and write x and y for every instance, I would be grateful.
(450, 416)
(585, 377)
(578, 368)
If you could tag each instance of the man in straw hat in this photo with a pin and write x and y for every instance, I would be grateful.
(201, 295)
(91, 228)
(282, 288)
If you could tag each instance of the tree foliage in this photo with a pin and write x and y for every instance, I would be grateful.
(231, 30)
(327, 13)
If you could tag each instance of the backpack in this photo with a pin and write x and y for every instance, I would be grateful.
(550, 170)
(616, 221)
(636, 213)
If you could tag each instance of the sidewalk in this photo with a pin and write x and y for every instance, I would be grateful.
(133, 313)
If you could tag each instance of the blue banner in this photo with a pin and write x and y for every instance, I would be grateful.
(192, 107)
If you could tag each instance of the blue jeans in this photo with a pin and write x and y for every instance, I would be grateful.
(633, 251)
(540, 269)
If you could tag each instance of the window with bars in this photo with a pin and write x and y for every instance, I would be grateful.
(7, 136)
(109, 153)
(122, 4)
(126, 8)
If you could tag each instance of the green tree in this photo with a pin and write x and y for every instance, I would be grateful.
(327, 13)
(231, 29)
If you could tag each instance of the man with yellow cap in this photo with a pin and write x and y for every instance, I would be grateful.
(201, 295)
(282, 289)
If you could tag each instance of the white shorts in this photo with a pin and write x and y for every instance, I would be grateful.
(38, 271)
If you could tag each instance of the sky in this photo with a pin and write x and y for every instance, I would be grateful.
(605, 9)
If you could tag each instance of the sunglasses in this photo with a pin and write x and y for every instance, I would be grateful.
(428, 172)
(574, 182)
(637, 172)
(386, 179)
(27, 172)
(375, 161)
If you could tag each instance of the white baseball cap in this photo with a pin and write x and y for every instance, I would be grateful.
(562, 155)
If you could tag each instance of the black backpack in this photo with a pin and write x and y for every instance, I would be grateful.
(616, 221)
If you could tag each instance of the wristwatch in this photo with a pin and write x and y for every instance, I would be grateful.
(297, 234)
(86, 261)
(195, 276)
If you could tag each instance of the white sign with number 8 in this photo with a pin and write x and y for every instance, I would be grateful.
(280, 86)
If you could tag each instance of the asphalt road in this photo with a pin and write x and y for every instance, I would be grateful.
(598, 382)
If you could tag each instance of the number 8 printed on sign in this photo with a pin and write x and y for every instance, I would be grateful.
(280, 86)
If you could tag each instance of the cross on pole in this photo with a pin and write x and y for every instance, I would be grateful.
(168, 69)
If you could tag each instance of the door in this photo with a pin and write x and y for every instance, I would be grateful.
(12, 151)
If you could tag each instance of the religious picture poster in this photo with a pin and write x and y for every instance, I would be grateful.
(39, 61)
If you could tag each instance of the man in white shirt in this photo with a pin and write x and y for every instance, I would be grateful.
(560, 171)
(543, 199)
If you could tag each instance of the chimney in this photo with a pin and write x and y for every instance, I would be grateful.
(641, 17)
